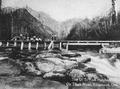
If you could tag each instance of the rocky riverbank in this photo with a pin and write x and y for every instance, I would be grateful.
(57, 69)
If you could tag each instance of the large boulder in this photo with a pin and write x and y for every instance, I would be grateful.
(55, 60)
(71, 55)
(51, 74)
(45, 66)
(98, 78)
(82, 59)
(9, 67)
(92, 77)
(86, 60)
(59, 69)
(81, 65)
(113, 58)
(102, 76)
(30, 68)
(76, 75)
(51, 65)
(70, 64)
(89, 70)
(55, 51)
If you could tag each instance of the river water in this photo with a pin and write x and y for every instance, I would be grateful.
(11, 77)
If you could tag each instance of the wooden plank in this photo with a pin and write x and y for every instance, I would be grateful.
(84, 43)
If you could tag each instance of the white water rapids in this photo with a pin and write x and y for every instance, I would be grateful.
(104, 66)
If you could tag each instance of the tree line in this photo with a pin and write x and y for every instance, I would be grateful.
(99, 28)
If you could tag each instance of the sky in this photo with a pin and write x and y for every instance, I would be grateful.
(62, 10)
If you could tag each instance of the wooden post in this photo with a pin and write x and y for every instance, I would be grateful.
(45, 45)
(7, 44)
(0, 6)
(29, 46)
(22, 45)
(15, 43)
(67, 47)
(37, 45)
(53, 45)
(0, 43)
(60, 45)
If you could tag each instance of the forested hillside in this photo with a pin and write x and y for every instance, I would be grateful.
(98, 28)
(17, 21)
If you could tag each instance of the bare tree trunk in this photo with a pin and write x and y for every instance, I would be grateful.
(0, 17)
(0, 5)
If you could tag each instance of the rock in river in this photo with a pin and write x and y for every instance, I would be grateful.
(51, 74)
(45, 66)
(71, 55)
(55, 60)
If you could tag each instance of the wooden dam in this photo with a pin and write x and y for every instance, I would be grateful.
(41, 45)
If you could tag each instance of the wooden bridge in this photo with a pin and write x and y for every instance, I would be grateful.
(46, 44)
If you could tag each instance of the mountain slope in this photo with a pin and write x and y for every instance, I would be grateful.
(66, 27)
(45, 19)
(62, 29)
(23, 20)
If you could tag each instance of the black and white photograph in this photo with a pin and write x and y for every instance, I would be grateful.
(59, 44)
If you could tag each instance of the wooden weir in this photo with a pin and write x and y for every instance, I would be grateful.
(46, 44)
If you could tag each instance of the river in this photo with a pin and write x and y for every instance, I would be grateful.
(12, 78)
